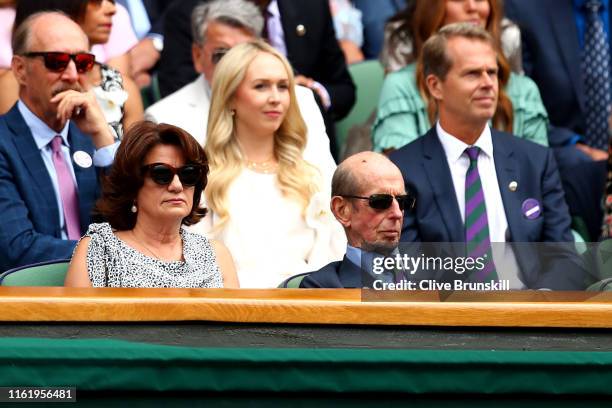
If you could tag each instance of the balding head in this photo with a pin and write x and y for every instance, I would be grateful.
(356, 179)
(358, 170)
(40, 33)
(43, 27)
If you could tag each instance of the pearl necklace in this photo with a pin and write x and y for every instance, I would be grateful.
(265, 167)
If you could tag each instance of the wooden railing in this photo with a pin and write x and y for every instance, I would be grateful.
(304, 306)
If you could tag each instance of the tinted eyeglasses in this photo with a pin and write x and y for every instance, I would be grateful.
(58, 61)
(217, 54)
(163, 174)
(384, 201)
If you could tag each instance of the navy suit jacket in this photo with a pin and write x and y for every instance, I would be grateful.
(551, 57)
(339, 274)
(436, 217)
(30, 231)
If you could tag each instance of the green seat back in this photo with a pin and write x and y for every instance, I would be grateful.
(43, 274)
(294, 281)
(368, 77)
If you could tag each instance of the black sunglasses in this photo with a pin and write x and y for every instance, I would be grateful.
(163, 174)
(58, 61)
(384, 201)
(217, 54)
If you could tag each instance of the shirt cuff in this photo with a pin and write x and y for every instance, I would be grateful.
(322, 92)
(105, 156)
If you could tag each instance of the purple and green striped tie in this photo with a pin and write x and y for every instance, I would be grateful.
(476, 223)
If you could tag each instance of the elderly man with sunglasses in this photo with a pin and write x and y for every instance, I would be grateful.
(369, 200)
(51, 143)
(218, 26)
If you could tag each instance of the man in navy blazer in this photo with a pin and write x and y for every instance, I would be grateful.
(368, 199)
(52, 102)
(521, 188)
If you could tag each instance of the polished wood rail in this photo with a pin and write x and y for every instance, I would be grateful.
(308, 306)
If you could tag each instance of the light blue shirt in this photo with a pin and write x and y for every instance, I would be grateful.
(43, 135)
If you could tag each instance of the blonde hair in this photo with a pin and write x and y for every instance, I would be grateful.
(295, 177)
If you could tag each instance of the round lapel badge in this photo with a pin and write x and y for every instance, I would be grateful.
(82, 159)
(531, 208)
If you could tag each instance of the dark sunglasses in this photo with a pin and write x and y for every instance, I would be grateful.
(58, 61)
(384, 201)
(217, 54)
(163, 174)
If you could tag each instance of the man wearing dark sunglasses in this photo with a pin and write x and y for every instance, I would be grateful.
(369, 200)
(218, 26)
(480, 186)
(51, 143)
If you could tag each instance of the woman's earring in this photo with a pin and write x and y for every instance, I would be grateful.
(233, 112)
(134, 209)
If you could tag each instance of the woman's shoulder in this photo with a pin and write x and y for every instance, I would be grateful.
(520, 84)
(99, 228)
(524, 92)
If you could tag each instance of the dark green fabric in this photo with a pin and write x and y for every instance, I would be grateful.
(102, 364)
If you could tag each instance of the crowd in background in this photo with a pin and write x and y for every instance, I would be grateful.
(241, 100)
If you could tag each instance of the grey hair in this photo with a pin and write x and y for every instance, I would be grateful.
(234, 13)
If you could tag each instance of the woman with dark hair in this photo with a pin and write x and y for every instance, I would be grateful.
(117, 94)
(153, 188)
(406, 111)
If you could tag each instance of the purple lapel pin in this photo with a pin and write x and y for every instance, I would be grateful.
(531, 208)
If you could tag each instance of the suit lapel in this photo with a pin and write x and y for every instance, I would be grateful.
(350, 274)
(290, 20)
(30, 155)
(561, 18)
(441, 182)
(506, 167)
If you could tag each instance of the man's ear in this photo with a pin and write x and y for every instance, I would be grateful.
(196, 56)
(434, 86)
(18, 66)
(342, 210)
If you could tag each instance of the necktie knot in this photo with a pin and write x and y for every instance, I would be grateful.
(56, 144)
(472, 153)
(592, 6)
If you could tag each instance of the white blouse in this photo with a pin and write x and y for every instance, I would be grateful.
(267, 235)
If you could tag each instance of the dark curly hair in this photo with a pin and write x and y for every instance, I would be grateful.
(120, 187)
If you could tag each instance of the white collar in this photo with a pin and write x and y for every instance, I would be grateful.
(454, 148)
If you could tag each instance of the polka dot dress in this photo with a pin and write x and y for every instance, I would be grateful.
(112, 263)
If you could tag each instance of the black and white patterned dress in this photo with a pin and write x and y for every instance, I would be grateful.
(112, 263)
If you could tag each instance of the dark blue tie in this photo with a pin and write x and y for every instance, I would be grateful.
(596, 77)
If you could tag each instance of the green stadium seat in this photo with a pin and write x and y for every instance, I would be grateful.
(51, 273)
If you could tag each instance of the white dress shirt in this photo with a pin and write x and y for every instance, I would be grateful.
(458, 162)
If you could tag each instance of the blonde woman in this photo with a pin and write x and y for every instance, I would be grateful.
(269, 206)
